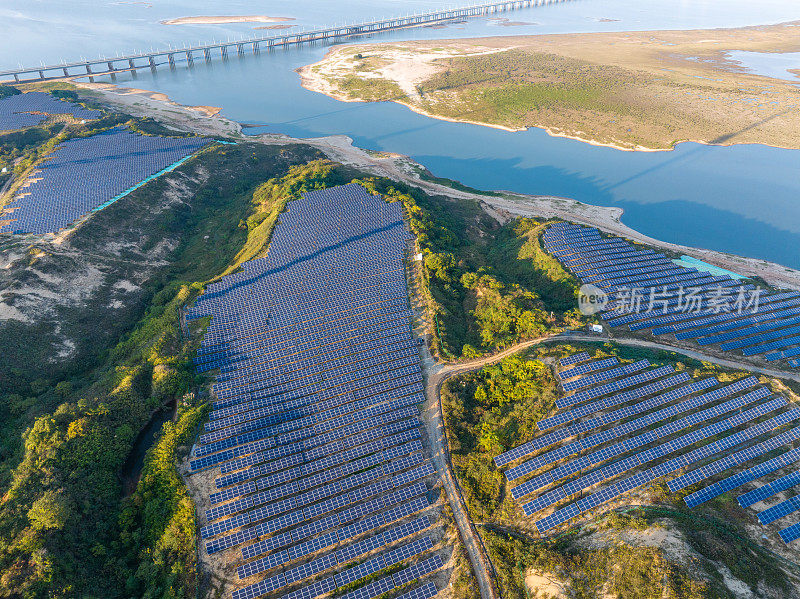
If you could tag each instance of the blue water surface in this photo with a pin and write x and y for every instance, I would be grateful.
(743, 199)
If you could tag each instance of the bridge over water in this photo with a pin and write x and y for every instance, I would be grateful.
(206, 52)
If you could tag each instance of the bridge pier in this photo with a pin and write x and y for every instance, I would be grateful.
(207, 54)
(189, 58)
(240, 49)
(152, 63)
(171, 59)
(88, 69)
(16, 77)
(256, 48)
(41, 74)
(66, 72)
(223, 50)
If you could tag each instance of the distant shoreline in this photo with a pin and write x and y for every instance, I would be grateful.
(222, 20)
(313, 84)
(679, 85)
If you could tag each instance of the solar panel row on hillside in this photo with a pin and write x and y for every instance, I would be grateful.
(688, 300)
(736, 412)
(623, 486)
(30, 109)
(315, 427)
(84, 174)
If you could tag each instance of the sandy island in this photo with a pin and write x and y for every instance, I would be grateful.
(630, 90)
(221, 20)
(403, 168)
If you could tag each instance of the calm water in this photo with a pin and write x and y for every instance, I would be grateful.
(769, 64)
(743, 199)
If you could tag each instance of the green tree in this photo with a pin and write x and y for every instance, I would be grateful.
(50, 511)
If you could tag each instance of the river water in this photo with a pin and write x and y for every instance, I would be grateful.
(743, 199)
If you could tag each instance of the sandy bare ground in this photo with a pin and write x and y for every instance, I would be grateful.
(638, 90)
(222, 20)
(405, 67)
(402, 168)
(546, 586)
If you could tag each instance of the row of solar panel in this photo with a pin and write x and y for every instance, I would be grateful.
(607, 401)
(84, 173)
(593, 392)
(587, 367)
(375, 338)
(282, 395)
(405, 386)
(629, 426)
(30, 109)
(374, 411)
(570, 430)
(246, 346)
(640, 441)
(332, 496)
(343, 555)
(271, 415)
(664, 468)
(326, 562)
(270, 350)
(786, 337)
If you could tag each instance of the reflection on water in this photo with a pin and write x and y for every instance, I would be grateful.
(741, 199)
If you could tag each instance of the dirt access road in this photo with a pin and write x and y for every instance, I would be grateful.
(437, 374)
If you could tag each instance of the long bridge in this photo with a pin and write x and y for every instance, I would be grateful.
(152, 60)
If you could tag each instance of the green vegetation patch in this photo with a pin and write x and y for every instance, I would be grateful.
(487, 412)
(370, 89)
(487, 286)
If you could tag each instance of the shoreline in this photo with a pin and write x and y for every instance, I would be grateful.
(402, 168)
(406, 66)
(314, 84)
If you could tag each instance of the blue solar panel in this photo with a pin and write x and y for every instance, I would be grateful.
(624, 429)
(315, 424)
(573, 359)
(792, 533)
(782, 509)
(642, 458)
(737, 458)
(761, 493)
(604, 375)
(587, 367)
(84, 174)
(741, 478)
(607, 388)
(30, 109)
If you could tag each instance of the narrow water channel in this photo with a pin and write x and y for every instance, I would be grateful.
(132, 468)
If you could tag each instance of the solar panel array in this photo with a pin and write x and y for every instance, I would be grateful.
(646, 290)
(86, 174)
(608, 442)
(32, 108)
(315, 424)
